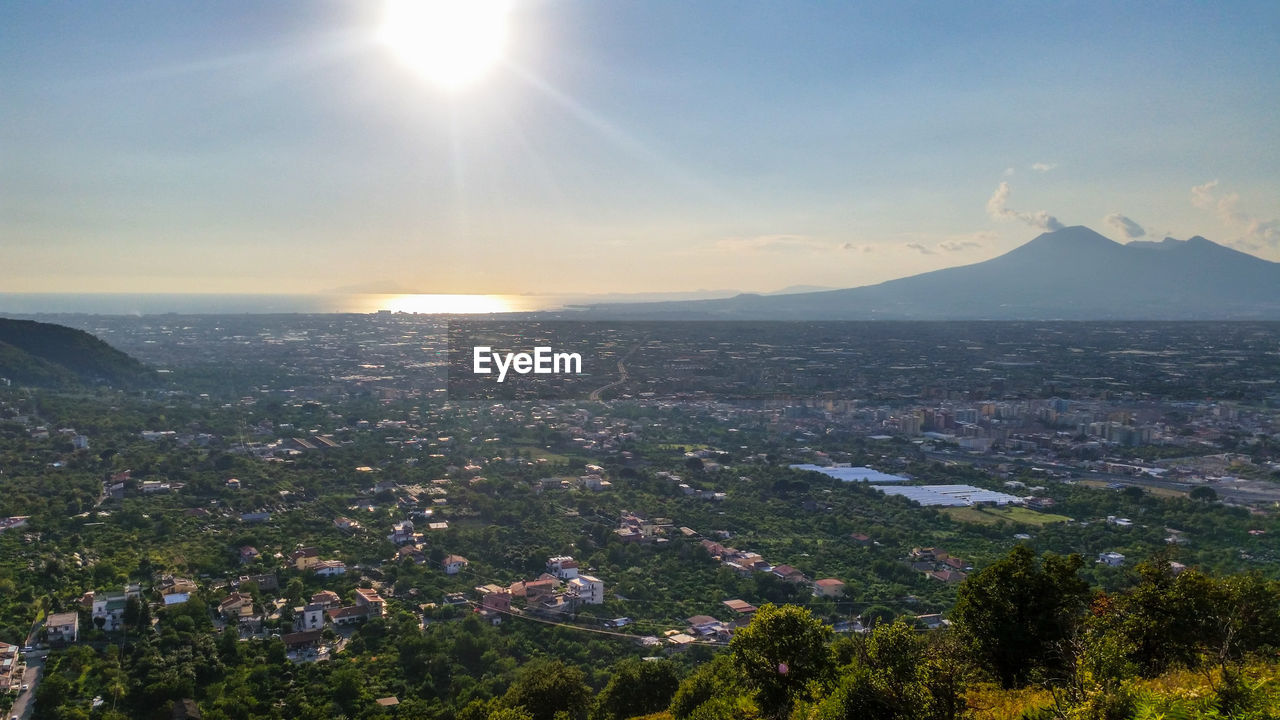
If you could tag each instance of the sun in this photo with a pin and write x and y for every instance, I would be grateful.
(451, 42)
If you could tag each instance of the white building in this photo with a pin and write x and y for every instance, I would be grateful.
(590, 590)
(563, 567)
(1113, 559)
(310, 617)
(109, 607)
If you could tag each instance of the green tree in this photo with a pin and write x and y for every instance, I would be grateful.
(636, 688)
(547, 687)
(780, 653)
(1014, 614)
(1203, 492)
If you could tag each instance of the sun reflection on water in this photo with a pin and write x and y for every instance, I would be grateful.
(446, 304)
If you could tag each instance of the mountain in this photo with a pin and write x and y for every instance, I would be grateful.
(48, 355)
(1069, 274)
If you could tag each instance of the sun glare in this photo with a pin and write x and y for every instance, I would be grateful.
(451, 42)
(446, 304)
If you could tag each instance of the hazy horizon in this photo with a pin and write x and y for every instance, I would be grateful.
(291, 148)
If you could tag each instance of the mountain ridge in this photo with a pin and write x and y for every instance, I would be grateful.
(1073, 273)
(50, 355)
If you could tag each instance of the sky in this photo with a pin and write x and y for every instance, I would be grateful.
(284, 146)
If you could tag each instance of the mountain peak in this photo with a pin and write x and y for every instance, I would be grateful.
(1074, 235)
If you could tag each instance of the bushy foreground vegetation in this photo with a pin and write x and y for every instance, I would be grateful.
(1029, 640)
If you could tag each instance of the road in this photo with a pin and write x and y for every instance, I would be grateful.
(22, 706)
(623, 376)
(1225, 492)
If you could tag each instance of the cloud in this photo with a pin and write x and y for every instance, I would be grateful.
(1251, 231)
(1123, 225)
(921, 248)
(1008, 172)
(1202, 195)
(958, 245)
(1043, 167)
(773, 243)
(851, 247)
(997, 208)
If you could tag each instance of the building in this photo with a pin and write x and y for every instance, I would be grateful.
(349, 615)
(109, 607)
(235, 605)
(8, 664)
(452, 564)
(305, 557)
(563, 567)
(329, 568)
(369, 598)
(327, 598)
(63, 628)
(309, 617)
(590, 590)
(828, 587)
(1112, 559)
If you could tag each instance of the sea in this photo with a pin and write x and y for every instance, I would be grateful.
(227, 304)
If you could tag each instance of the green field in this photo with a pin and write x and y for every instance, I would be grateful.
(1011, 513)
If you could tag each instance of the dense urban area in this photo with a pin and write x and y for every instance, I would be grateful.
(300, 516)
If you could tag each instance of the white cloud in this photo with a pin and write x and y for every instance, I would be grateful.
(959, 245)
(1043, 167)
(921, 248)
(851, 247)
(773, 243)
(997, 208)
(1125, 226)
(1251, 231)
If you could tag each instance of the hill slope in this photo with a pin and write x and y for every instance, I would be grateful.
(48, 355)
(1070, 274)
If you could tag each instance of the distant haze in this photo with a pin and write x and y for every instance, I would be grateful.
(1069, 274)
(620, 147)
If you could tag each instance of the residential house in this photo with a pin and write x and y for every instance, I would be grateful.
(932, 621)
(63, 628)
(369, 598)
(452, 564)
(302, 640)
(946, 575)
(327, 598)
(563, 567)
(499, 601)
(1112, 559)
(829, 587)
(329, 568)
(304, 557)
(308, 617)
(248, 554)
(402, 533)
(790, 574)
(411, 552)
(236, 605)
(8, 664)
(109, 607)
(590, 590)
(349, 615)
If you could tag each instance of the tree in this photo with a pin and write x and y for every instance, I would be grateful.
(780, 653)
(1014, 614)
(708, 681)
(547, 687)
(636, 688)
(1204, 493)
